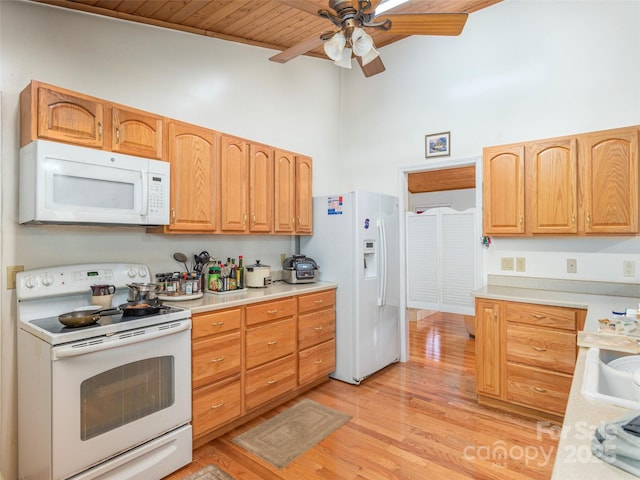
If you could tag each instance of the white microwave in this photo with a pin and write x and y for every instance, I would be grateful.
(66, 184)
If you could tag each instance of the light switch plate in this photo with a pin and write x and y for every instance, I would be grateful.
(520, 264)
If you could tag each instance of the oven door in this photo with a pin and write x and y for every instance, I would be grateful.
(112, 394)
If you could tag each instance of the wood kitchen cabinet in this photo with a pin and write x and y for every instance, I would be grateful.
(611, 181)
(193, 158)
(234, 181)
(284, 192)
(316, 336)
(260, 188)
(503, 191)
(575, 185)
(57, 114)
(304, 195)
(216, 369)
(250, 358)
(529, 371)
(552, 189)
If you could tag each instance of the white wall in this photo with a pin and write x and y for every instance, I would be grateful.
(521, 70)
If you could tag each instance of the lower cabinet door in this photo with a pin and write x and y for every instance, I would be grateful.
(317, 362)
(537, 388)
(268, 381)
(215, 405)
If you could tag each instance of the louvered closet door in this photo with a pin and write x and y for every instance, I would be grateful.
(441, 260)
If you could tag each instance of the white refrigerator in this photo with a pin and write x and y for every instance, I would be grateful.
(355, 243)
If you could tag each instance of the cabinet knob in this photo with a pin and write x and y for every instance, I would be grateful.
(117, 134)
(272, 381)
(318, 301)
(217, 324)
(539, 349)
(573, 219)
(213, 407)
(521, 219)
(539, 317)
(271, 312)
(100, 130)
(540, 390)
(272, 342)
(318, 362)
(217, 360)
(319, 329)
(588, 219)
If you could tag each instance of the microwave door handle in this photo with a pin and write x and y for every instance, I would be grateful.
(145, 193)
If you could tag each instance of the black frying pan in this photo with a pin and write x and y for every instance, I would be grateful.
(83, 318)
(142, 307)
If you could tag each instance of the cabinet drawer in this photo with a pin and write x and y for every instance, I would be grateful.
(540, 347)
(215, 358)
(542, 315)
(316, 327)
(215, 322)
(271, 311)
(315, 301)
(316, 362)
(269, 381)
(215, 405)
(537, 388)
(270, 341)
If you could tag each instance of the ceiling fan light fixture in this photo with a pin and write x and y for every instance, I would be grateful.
(334, 47)
(370, 55)
(361, 42)
(345, 60)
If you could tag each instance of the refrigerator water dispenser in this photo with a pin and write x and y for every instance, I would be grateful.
(370, 261)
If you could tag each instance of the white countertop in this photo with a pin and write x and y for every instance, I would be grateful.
(574, 459)
(279, 289)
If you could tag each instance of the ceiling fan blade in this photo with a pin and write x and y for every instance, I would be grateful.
(298, 49)
(425, 23)
(372, 68)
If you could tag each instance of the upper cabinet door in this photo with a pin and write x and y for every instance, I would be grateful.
(285, 186)
(136, 133)
(552, 189)
(70, 118)
(260, 188)
(304, 195)
(234, 174)
(611, 181)
(503, 190)
(192, 154)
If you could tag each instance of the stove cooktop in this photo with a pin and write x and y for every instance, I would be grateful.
(51, 330)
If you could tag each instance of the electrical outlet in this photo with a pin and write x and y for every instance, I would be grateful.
(11, 275)
(572, 265)
(629, 268)
(506, 263)
(520, 264)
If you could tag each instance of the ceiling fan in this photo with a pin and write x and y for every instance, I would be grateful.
(353, 18)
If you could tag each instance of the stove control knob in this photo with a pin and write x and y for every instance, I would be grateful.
(131, 272)
(142, 272)
(29, 281)
(47, 279)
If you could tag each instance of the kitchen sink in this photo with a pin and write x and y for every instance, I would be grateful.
(608, 377)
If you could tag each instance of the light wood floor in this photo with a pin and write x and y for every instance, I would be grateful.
(414, 420)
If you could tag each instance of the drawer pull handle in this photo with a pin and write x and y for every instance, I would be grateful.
(540, 390)
(271, 312)
(539, 317)
(272, 381)
(539, 349)
(213, 407)
(272, 342)
(217, 360)
(318, 362)
(318, 301)
(318, 329)
(217, 324)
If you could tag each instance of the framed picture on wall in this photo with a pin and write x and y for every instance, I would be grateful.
(437, 144)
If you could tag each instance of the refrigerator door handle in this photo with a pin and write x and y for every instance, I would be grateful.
(382, 255)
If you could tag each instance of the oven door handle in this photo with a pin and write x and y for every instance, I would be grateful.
(119, 340)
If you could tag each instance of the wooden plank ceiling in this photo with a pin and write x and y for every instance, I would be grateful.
(273, 24)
